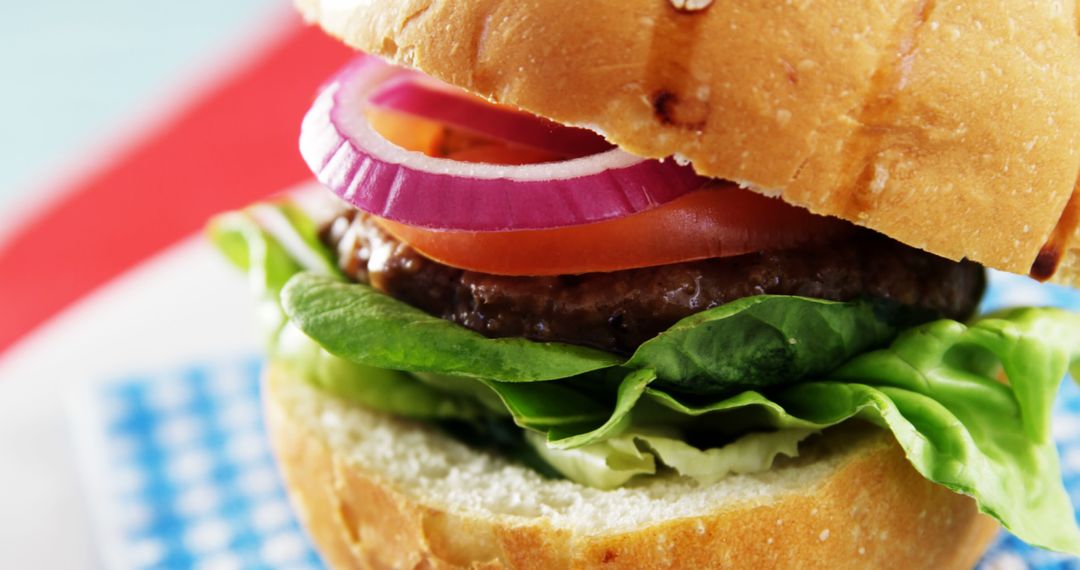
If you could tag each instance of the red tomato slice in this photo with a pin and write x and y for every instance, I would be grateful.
(406, 131)
(502, 154)
(433, 139)
(714, 222)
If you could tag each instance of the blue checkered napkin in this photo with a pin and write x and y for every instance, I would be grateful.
(180, 475)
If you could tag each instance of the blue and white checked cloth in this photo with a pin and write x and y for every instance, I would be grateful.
(180, 474)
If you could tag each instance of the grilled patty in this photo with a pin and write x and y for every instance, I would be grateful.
(618, 311)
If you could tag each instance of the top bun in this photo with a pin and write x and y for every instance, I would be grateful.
(953, 126)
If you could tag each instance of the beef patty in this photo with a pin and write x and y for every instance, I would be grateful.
(618, 311)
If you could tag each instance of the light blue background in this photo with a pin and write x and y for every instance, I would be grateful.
(72, 71)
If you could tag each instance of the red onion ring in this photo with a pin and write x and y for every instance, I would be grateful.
(354, 161)
(416, 95)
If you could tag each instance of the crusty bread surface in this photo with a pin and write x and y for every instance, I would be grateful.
(376, 491)
(950, 125)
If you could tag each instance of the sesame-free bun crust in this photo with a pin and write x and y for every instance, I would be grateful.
(953, 126)
(380, 492)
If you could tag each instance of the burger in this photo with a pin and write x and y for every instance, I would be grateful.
(673, 283)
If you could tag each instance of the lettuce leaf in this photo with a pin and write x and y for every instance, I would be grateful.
(612, 462)
(751, 453)
(936, 389)
(267, 264)
(389, 391)
(245, 240)
(767, 340)
(757, 341)
(605, 465)
(271, 242)
(363, 325)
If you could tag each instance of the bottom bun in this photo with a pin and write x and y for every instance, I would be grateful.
(375, 491)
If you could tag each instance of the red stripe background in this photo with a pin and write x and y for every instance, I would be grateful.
(234, 144)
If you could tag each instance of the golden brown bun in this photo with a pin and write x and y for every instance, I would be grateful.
(379, 492)
(953, 126)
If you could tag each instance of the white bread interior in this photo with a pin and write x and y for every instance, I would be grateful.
(376, 491)
(950, 125)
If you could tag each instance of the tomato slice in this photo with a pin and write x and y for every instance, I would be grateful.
(715, 222)
(718, 221)
(433, 139)
(407, 131)
(502, 154)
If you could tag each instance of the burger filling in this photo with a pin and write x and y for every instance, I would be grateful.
(609, 319)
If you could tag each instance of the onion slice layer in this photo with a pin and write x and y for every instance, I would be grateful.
(358, 164)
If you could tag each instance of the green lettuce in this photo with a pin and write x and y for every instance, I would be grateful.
(605, 465)
(751, 342)
(936, 389)
(612, 462)
(361, 324)
(379, 388)
(267, 264)
(723, 373)
(766, 340)
(253, 240)
(271, 242)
